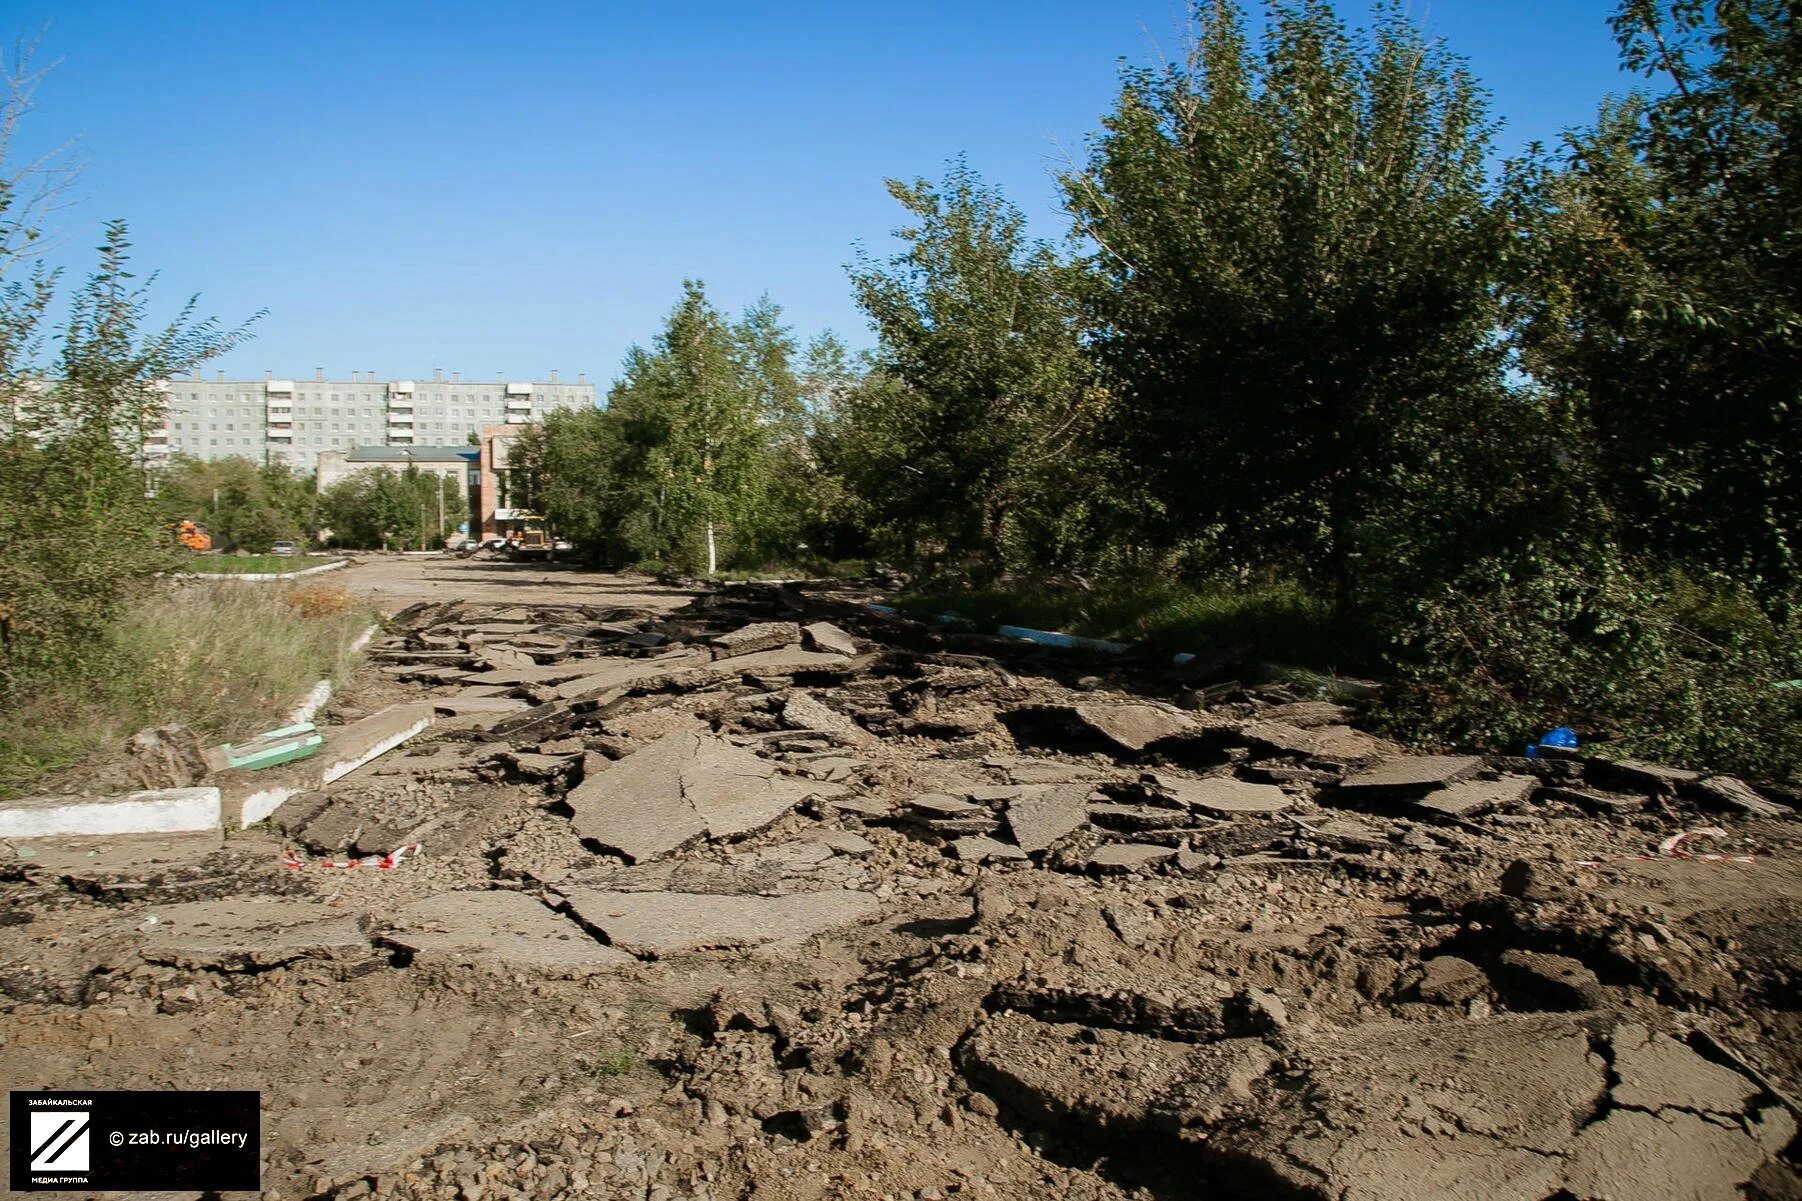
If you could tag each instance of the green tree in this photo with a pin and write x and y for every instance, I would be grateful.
(389, 510)
(80, 533)
(586, 497)
(1297, 271)
(984, 381)
(693, 436)
(244, 505)
(1658, 290)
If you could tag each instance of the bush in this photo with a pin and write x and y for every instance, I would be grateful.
(1640, 662)
(225, 659)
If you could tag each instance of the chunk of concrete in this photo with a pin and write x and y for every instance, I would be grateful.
(1129, 856)
(656, 924)
(942, 804)
(635, 806)
(1727, 792)
(158, 811)
(827, 638)
(1309, 714)
(844, 842)
(1224, 796)
(1047, 771)
(734, 790)
(1449, 980)
(611, 674)
(1655, 1071)
(1672, 1156)
(1139, 817)
(1280, 738)
(803, 711)
(1536, 980)
(1043, 814)
(350, 747)
(1411, 774)
(243, 935)
(1597, 801)
(1639, 775)
(507, 929)
(1470, 797)
(679, 787)
(1132, 727)
(758, 636)
(867, 807)
(457, 706)
(977, 848)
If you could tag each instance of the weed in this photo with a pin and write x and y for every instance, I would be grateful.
(1279, 622)
(620, 1063)
(227, 660)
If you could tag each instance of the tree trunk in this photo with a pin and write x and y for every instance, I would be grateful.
(1339, 520)
(997, 534)
(712, 559)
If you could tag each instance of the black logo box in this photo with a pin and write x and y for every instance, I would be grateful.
(137, 1163)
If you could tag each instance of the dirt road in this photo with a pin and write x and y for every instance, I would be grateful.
(395, 581)
(758, 893)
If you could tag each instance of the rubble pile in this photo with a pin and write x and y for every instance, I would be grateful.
(773, 894)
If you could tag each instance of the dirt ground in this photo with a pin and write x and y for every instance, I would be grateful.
(759, 893)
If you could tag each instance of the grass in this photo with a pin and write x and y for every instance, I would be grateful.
(817, 569)
(223, 660)
(254, 564)
(1278, 623)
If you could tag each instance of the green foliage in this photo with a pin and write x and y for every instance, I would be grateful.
(1236, 623)
(244, 506)
(391, 510)
(700, 455)
(224, 659)
(1657, 290)
(242, 564)
(1661, 665)
(983, 389)
(81, 535)
(1295, 292)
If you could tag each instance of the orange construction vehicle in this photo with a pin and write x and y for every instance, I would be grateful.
(193, 535)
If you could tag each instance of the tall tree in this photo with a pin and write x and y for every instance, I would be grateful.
(81, 533)
(680, 459)
(1659, 290)
(1297, 268)
(980, 342)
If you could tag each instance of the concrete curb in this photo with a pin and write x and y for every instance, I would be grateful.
(261, 575)
(249, 797)
(159, 811)
(322, 691)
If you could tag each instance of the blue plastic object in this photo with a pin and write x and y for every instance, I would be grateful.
(1064, 641)
(1563, 738)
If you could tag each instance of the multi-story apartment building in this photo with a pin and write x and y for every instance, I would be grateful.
(291, 421)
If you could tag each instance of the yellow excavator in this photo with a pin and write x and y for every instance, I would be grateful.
(528, 539)
(193, 535)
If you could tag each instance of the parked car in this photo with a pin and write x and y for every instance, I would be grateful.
(284, 547)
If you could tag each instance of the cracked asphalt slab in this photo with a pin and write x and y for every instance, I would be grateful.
(753, 892)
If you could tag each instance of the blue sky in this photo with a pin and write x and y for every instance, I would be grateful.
(508, 189)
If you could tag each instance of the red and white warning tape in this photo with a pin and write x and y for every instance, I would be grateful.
(1672, 848)
(294, 862)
